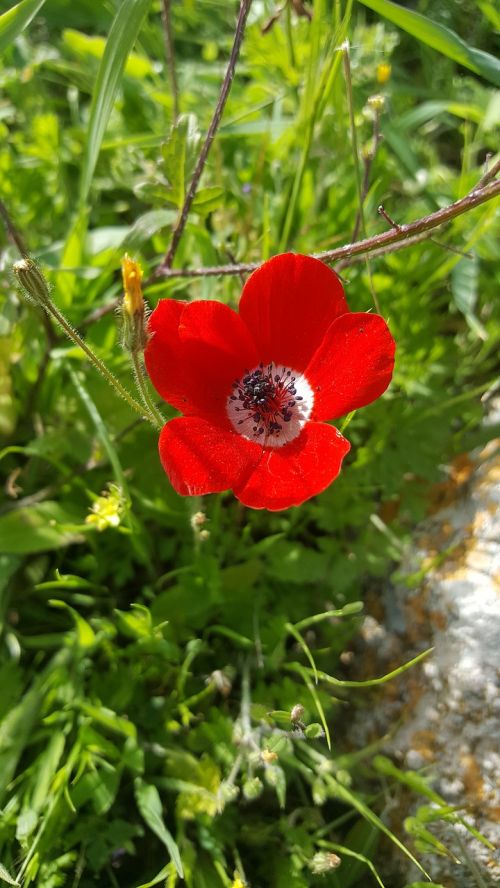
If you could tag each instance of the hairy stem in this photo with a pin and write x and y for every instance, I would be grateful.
(214, 124)
(52, 309)
(142, 386)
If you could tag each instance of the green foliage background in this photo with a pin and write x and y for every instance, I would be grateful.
(140, 662)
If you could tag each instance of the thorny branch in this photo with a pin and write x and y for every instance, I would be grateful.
(214, 124)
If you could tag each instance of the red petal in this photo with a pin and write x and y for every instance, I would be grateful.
(288, 304)
(287, 476)
(352, 366)
(201, 458)
(195, 354)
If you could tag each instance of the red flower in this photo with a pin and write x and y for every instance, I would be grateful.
(256, 387)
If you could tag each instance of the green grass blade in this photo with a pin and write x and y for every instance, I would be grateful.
(16, 19)
(350, 798)
(298, 637)
(443, 39)
(150, 807)
(122, 36)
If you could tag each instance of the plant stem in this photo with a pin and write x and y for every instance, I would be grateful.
(355, 154)
(156, 416)
(386, 242)
(12, 231)
(52, 309)
(169, 53)
(214, 124)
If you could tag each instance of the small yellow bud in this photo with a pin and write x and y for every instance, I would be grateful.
(134, 330)
(133, 301)
(383, 72)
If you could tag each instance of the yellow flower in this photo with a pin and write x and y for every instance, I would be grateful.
(107, 509)
(383, 72)
(132, 276)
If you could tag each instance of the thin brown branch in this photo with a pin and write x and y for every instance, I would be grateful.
(402, 235)
(169, 54)
(12, 231)
(214, 124)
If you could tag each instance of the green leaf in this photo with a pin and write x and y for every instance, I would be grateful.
(109, 719)
(4, 875)
(82, 44)
(464, 289)
(424, 885)
(71, 258)
(122, 36)
(36, 528)
(98, 787)
(160, 877)
(150, 807)
(444, 40)
(179, 154)
(146, 225)
(14, 21)
(207, 199)
(313, 731)
(85, 635)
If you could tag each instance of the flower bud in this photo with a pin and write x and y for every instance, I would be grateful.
(252, 788)
(376, 103)
(297, 713)
(324, 862)
(32, 281)
(383, 72)
(133, 308)
(198, 520)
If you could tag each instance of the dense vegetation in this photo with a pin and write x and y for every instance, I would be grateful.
(154, 648)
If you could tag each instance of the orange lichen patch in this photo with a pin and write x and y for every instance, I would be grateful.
(425, 743)
(446, 492)
(494, 814)
(438, 620)
(472, 779)
(417, 617)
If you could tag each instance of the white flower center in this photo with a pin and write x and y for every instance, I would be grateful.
(270, 404)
